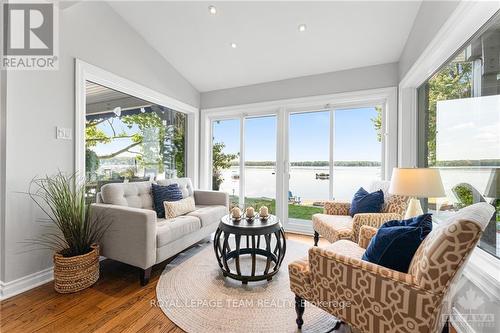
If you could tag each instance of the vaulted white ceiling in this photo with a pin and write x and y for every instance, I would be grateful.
(339, 35)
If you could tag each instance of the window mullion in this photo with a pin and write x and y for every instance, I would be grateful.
(242, 161)
(331, 152)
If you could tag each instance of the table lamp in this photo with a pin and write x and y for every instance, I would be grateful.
(416, 183)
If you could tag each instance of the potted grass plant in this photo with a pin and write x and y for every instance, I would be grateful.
(75, 231)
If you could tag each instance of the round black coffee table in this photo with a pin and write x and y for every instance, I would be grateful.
(272, 246)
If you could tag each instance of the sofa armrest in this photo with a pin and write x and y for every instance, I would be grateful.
(211, 198)
(336, 208)
(370, 219)
(130, 236)
(366, 234)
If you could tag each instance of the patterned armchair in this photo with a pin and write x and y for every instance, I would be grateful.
(373, 298)
(335, 223)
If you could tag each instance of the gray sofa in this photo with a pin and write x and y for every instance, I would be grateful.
(137, 237)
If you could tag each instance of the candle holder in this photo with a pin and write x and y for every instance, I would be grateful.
(264, 213)
(238, 216)
(251, 218)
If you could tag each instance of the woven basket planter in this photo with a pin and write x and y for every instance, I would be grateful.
(72, 274)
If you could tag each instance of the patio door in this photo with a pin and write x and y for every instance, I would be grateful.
(243, 158)
(307, 175)
(293, 160)
(260, 162)
(329, 154)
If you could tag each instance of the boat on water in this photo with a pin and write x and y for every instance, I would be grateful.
(322, 175)
(235, 175)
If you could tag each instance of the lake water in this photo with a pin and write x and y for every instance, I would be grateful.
(260, 181)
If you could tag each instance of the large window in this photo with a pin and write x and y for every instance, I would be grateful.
(129, 139)
(459, 128)
(330, 153)
(309, 154)
(226, 158)
(260, 162)
(351, 138)
(357, 150)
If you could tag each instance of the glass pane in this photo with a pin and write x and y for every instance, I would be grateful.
(129, 139)
(460, 112)
(357, 150)
(260, 162)
(226, 157)
(309, 163)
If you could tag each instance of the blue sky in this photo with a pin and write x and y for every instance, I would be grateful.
(117, 144)
(355, 136)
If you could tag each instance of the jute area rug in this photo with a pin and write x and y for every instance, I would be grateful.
(193, 294)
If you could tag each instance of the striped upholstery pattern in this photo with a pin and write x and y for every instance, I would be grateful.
(366, 234)
(333, 225)
(383, 300)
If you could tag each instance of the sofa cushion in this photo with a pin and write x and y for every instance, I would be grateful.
(177, 208)
(332, 227)
(137, 195)
(347, 248)
(185, 185)
(169, 230)
(396, 242)
(209, 214)
(164, 193)
(365, 202)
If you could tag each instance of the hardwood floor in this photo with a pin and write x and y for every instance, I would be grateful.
(116, 303)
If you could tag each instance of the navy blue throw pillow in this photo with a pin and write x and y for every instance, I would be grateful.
(364, 202)
(161, 193)
(396, 242)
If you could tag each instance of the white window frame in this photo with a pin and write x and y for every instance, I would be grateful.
(465, 21)
(386, 97)
(87, 72)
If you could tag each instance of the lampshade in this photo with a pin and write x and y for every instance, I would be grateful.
(493, 187)
(417, 182)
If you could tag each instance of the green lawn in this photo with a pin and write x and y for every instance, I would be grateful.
(294, 211)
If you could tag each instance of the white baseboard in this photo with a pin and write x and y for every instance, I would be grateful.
(25, 283)
(12, 288)
(459, 323)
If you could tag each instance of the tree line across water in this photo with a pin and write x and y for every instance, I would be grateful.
(311, 163)
(453, 163)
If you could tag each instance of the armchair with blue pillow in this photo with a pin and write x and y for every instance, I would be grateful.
(343, 220)
(366, 285)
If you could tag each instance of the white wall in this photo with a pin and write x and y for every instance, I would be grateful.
(38, 101)
(3, 90)
(379, 76)
(430, 18)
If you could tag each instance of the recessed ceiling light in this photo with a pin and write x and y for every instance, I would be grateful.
(233, 45)
(212, 10)
(302, 27)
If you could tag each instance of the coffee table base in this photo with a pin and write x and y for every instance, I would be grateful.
(274, 257)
